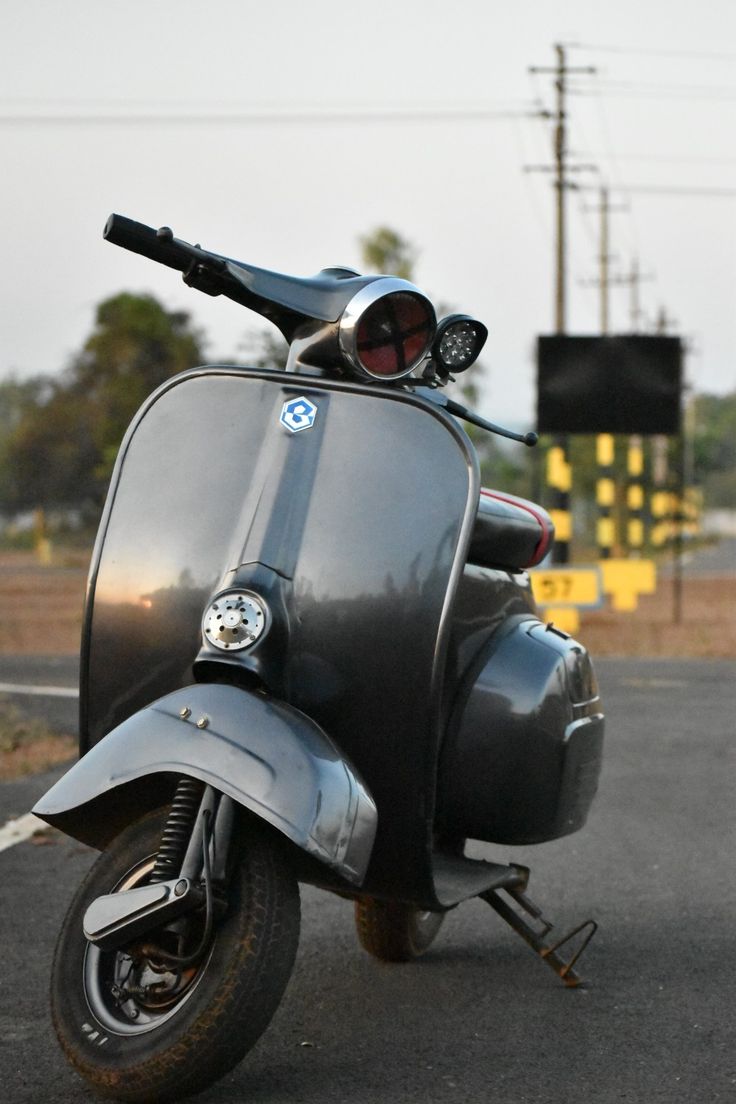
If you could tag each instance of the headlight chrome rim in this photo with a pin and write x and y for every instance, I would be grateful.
(357, 308)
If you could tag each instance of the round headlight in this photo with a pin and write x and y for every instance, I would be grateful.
(387, 329)
(458, 342)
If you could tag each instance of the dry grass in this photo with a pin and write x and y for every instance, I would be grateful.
(40, 607)
(28, 746)
(706, 630)
(41, 613)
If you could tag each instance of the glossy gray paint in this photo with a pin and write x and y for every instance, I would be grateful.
(354, 532)
(268, 757)
(522, 755)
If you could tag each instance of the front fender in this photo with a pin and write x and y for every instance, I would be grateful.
(267, 756)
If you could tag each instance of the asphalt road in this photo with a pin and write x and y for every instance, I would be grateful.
(709, 561)
(60, 713)
(479, 1018)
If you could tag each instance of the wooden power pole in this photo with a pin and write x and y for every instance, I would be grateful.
(559, 475)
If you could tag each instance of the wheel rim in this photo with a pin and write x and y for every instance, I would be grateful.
(133, 993)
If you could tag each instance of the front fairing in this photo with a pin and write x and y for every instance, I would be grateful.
(357, 528)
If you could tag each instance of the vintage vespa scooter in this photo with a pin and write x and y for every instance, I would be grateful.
(310, 653)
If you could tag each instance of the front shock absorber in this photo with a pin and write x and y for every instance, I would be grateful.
(178, 829)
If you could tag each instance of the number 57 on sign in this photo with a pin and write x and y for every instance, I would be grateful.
(579, 587)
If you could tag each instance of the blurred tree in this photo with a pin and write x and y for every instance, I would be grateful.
(264, 349)
(136, 345)
(61, 446)
(18, 398)
(385, 251)
(53, 455)
(714, 448)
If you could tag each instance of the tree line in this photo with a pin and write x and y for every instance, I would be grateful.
(59, 435)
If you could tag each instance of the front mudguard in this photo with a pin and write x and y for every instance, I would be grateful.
(267, 756)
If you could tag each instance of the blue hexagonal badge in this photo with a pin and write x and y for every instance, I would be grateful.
(298, 414)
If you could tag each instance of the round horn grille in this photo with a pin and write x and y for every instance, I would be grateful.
(234, 621)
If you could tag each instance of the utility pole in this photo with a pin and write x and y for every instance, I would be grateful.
(561, 168)
(635, 451)
(633, 280)
(661, 507)
(632, 536)
(604, 259)
(559, 475)
(605, 444)
(667, 502)
(560, 148)
(605, 280)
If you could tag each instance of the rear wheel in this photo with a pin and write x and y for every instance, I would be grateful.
(139, 1027)
(394, 932)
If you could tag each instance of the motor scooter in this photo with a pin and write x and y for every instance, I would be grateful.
(310, 654)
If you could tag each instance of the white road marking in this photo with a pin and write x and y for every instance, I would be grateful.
(15, 831)
(41, 691)
(655, 683)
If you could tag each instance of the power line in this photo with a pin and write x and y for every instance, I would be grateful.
(535, 204)
(630, 89)
(600, 108)
(695, 54)
(676, 189)
(670, 158)
(271, 117)
(558, 466)
(611, 82)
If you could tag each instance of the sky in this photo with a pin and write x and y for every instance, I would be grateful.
(282, 133)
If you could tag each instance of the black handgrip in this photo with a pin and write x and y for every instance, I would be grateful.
(158, 245)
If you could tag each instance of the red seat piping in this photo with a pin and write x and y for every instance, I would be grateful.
(544, 541)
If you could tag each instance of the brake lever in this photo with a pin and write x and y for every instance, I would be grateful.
(529, 439)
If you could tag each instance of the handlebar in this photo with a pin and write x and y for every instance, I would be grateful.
(139, 238)
(158, 245)
(213, 274)
(287, 301)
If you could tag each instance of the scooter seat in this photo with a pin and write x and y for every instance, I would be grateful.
(509, 532)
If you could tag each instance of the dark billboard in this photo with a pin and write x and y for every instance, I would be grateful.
(629, 384)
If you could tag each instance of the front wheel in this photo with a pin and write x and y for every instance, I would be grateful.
(139, 1027)
(394, 932)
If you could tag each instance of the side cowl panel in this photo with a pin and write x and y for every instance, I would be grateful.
(267, 756)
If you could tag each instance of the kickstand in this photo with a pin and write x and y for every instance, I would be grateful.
(537, 937)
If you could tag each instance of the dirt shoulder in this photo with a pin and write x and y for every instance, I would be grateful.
(41, 613)
(706, 628)
(41, 607)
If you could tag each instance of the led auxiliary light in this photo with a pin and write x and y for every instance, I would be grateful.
(458, 343)
(386, 329)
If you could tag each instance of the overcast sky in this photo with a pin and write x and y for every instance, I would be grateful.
(88, 90)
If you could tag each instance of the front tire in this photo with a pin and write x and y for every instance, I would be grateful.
(140, 1030)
